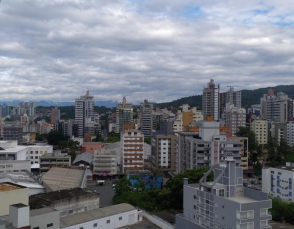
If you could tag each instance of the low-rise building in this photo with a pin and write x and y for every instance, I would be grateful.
(58, 178)
(90, 147)
(20, 216)
(84, 159)
(15, 166)
(105, 162)
(67, 202)
(115, 216)
(50, 160)
(277, 181)
(12, 194)
(25, 179)
(224, 202)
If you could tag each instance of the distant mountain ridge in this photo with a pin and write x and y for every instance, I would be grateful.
(249, 97)
(44, 103)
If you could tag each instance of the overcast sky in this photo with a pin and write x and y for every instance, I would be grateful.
(160, 50)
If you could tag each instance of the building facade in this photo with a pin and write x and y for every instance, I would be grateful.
(210, 100)
(55, 115)
(13, 133)
(104, 162)
(146, 121)
(48, 161)
(132, 155)
(224, 202)
(124, 115)
(205, 148)
(84, 112)
(277, 181)
(260, 128)
(290, 133)
(234, 117)
(231, 96)
(163, 151)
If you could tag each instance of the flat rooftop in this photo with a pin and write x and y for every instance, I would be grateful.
(99, 213)
(41, 211)
(51, 155)
(4, 187)
(288, 168)
(19, 178)
(13, 149)
(45, 199)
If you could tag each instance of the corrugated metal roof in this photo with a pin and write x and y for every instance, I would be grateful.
(63, 178)
(99, 213)
(86, 157)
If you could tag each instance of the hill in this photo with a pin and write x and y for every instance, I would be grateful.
(249, 97)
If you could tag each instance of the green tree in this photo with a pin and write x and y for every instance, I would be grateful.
(9, 119)
(122, 186)
(246, 132)
(54, 137)
(62, 144)
(98, 138)
(147, 140)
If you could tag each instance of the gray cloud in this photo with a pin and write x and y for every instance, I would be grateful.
(160, 50)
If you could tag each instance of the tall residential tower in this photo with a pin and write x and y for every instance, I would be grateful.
(124, 115)
(210, 100)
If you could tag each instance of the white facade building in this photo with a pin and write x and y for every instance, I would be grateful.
(277, 181)
(290, 133)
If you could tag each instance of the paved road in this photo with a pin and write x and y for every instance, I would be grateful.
(105, 193)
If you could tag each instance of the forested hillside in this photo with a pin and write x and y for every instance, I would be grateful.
(249, 97)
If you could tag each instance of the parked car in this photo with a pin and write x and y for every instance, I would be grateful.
(245, 184)
(113, 187)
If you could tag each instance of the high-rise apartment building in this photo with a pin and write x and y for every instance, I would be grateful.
(163, 148)
(146, 121)
(132, 142)
(224, 202)
(231, 96)
(84, 112)
(55, 115)
(13, 133)
(210, 100)
(205, 147)
(260, 128)
(124, 115)
(234, 117)
(5, 110)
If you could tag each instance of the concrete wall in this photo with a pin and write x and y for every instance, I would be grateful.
(41, 221)
(182, 223)
(158, 221)
(115, 221)
(18, 196)
(77, 204)
(19, 166)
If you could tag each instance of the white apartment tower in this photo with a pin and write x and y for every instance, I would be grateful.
(210, 100)
(84, 110)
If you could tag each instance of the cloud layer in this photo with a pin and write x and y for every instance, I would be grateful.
(157, 49)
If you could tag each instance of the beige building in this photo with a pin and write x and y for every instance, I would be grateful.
(105, 162)
(132, 150)
(260, 128)
(243, 152)
(210, 100)
(12, 194)
(234, 117)
(50, 160)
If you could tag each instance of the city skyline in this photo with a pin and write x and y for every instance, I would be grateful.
(155, 50)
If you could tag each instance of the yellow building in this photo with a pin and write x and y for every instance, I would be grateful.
(12, 194)
(244, 150)
(187, 119)
(260, 128)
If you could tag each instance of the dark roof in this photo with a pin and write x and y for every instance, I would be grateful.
(45, 199)
(19, 205)
(86, 157)
(289, 168)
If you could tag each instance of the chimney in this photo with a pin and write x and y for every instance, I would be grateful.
(19, 215)
(186, 181)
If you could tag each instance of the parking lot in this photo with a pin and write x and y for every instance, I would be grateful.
(105, 193)
(252, 185)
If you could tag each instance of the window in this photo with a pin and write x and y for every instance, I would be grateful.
(120, 218)
(223, 206)
(195, 197)
(70, 211)
(50, 225)
(95, 225)
(81, 228)
(263, 212)
(221, 192)
(41, 152)
(108, 221)
(263, 223)
(194, 206)
(35, 227)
